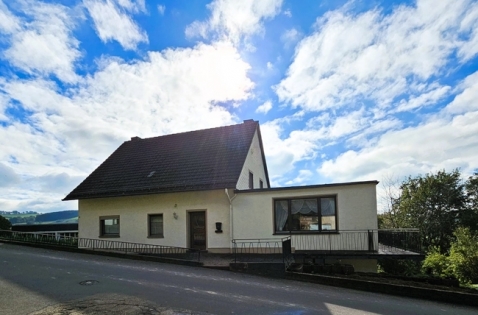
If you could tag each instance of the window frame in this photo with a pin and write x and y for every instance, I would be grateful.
(150, 215)
(251, 180)
(261, 184)
(319, 215)
(102, 226)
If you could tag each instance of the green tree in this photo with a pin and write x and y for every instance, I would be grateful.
(432, 203)
(4, 223)
(469, 217)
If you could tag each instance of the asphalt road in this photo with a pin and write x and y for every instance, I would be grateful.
(33, 279)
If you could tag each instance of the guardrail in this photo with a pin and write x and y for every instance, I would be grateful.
(39, 238)
(103, 245)
(141, 249)
(262, 250)
(398, 241)
(344, 241)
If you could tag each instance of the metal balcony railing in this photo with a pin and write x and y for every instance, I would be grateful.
(401, 241)
(381, 242)
(103, 245)
(261, 250)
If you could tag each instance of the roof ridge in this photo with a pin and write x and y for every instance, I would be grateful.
(194, 131)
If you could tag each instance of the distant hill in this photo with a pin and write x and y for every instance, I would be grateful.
(66, 216)
(56, 216)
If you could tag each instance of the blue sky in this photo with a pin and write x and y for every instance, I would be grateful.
(344, 90)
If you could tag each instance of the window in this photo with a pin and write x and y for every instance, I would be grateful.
(155, 225)
(307, 214)
(251, 181)
(261, 183)
(110, 226)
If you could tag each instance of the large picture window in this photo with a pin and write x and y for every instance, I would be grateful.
(110, 226)
(155, 225)
(305, 214)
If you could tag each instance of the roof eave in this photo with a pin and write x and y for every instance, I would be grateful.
(375, 182)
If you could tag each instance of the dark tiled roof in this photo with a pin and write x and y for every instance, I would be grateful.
(190, 161)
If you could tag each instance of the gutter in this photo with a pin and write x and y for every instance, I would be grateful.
(231, 228)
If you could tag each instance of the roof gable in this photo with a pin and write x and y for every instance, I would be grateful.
(189, 161)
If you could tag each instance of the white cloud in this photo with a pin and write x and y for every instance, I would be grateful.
(446, 140)
(288, 13)
(355, 76)
(290, 37)
(43, 44)
(466, 100)
(8, 21)
(8, 176)
(132, 5)
(112, 24)
(303, 177)
(469, 25)
(264, 108)
(69, 133)
(161, 9)
(373, 56)
(3, 106)
(343, 125)
(283, 150)
(425, 99)
(234, 20)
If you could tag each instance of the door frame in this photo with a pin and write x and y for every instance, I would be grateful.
(188, 226)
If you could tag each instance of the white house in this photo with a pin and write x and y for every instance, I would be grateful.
(205, 188)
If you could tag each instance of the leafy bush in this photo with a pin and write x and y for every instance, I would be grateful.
(464, 256)
(437, 264)
(461, 263)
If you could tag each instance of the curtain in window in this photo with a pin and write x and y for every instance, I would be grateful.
(281, 214)
(304, 206)
(327, 206)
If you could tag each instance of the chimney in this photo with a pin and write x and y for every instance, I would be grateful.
(248, 121)
(135, 138)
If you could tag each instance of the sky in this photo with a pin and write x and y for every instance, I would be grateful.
(343, 90)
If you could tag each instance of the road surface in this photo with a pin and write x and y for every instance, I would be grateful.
(41, 281)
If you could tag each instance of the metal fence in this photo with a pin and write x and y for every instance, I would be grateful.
(39, 238)
(261, 250)
(383, 242)
(400, 240)
(141, 249)
(350, 241)
(378, 241)
(103, 245)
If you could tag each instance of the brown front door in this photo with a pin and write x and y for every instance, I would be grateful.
(197, 229)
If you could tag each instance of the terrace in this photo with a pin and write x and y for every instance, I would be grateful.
(368, 244)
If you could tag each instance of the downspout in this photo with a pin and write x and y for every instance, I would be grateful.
(231, 228)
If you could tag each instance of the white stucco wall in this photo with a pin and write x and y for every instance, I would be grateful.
(134, 210)
(356, 208)
(253, 164)
(252, 215)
